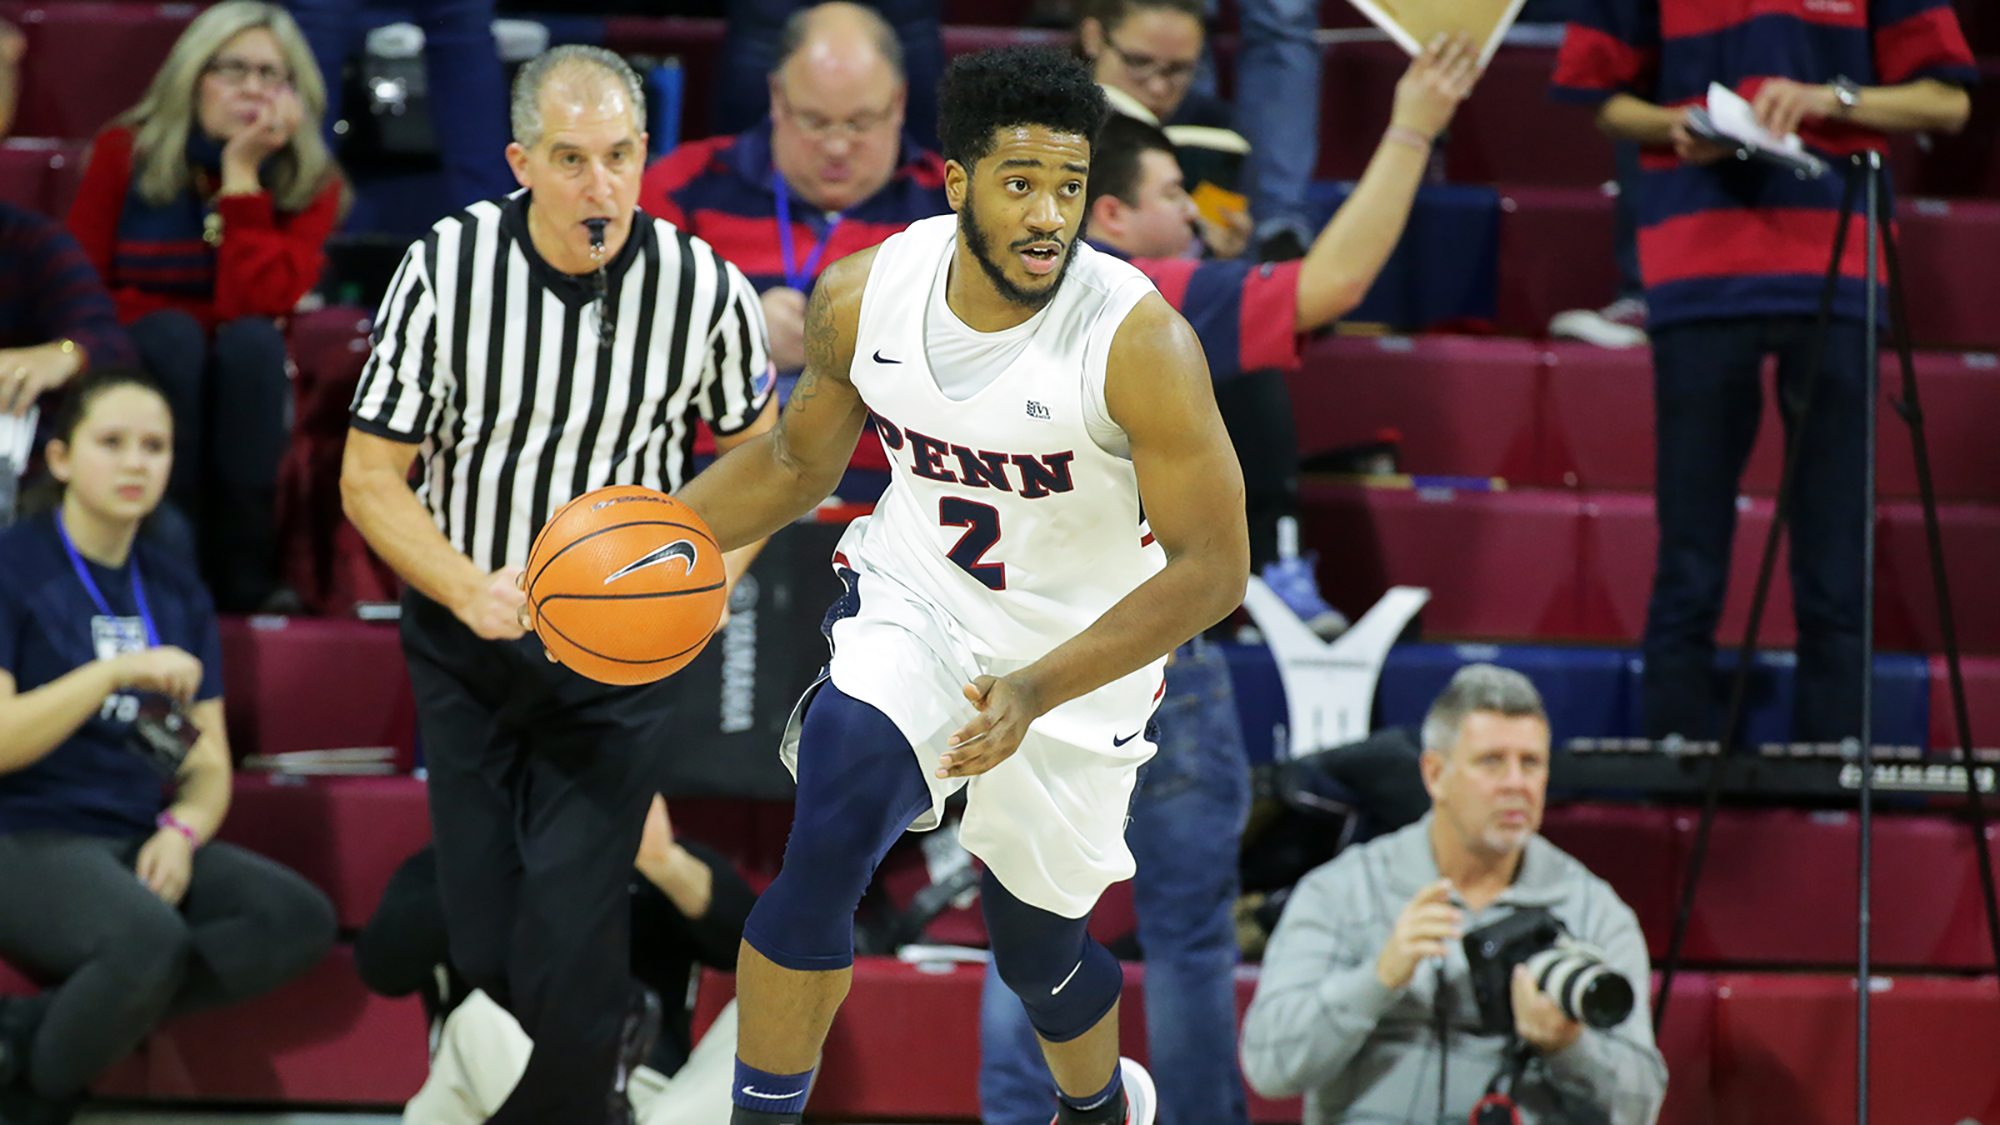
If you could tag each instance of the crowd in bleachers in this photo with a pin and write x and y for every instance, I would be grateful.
(1514, 351)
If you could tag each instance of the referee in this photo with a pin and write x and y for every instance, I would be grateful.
(528, 363)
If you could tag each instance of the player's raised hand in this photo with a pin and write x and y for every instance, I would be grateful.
(1436, 81)
(1005, 710)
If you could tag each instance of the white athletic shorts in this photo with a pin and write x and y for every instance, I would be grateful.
(1049, 821)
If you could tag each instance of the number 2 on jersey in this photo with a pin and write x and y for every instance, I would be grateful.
(982, 530)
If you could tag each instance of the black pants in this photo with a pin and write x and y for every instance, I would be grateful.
(120, 960)
(1709, 395)
(230, 397)
(1256, 407)
(539, 783)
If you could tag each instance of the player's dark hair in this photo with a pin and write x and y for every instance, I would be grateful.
(986, 92)
(46, 493)
(1114, 162)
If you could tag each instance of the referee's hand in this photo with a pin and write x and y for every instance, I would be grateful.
(494, 613)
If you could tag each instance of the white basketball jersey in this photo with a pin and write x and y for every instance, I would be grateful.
(1003, 514)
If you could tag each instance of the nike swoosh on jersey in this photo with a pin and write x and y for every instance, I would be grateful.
(1117, 741)
(1066, 980)
(880, 358)
(678, 549)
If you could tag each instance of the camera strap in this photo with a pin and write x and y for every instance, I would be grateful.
(97, 595)
(1497, 1106)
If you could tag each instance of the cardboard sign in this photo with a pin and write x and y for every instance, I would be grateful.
(1413, 23)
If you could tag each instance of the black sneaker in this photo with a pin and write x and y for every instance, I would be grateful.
(635, 1046)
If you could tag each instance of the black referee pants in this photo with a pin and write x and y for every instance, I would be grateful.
(539, 783)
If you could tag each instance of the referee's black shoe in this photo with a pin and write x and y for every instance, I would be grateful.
(635, 1046)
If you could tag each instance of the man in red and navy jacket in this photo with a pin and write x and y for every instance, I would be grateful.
(829, 174)
(1734, 256)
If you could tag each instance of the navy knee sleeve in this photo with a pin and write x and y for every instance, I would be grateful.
(1064, 978)
(859, 788)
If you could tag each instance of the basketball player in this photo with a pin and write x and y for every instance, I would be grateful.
(1066, 509)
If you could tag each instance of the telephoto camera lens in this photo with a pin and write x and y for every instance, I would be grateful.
(1582, 985)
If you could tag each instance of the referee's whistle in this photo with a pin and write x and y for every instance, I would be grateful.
(597, 232)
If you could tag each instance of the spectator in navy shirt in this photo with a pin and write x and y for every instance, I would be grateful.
(97, 627)
(55, 317)
(830, 173)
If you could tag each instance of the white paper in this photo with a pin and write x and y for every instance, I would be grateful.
(17, 437)
(1733, 117)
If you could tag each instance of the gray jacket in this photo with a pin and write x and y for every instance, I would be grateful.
(1323, 1025)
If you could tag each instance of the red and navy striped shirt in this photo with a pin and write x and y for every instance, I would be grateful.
(1244, 313)
(48, 291)
(1736, 238)
(720, 191)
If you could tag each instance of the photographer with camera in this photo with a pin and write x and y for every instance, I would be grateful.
(1368, 1002)
(115, 773)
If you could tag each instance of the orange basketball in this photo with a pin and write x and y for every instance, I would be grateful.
(625, 584)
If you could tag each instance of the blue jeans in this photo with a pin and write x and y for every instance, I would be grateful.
(1187, 826)
(468, 91)
(1709, 395)
(750, 50)
(1277, 110)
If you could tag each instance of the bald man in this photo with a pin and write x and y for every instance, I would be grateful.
(830, 172)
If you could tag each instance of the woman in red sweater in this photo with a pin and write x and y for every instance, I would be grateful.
(206, 208)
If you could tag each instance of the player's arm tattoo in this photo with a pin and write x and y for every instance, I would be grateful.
(821, 349)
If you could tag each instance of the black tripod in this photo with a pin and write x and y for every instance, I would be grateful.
(1865, 178)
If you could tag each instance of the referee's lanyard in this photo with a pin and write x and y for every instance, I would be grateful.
(798, 275)
(103, 607)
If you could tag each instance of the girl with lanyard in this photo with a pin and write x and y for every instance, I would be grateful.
(104, 638)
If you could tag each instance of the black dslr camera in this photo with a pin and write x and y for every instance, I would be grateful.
(163, 734)
(1567, 971)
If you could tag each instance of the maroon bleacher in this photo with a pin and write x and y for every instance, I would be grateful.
(316, 683)
(40, 173)
(1566, 415)
(345, 834)
(1982, 700)
(323, 1038)
(1463, 405)
(88, 61)
(1533, 285)
(1785, 1050)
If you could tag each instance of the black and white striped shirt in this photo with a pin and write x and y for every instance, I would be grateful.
(491, 358)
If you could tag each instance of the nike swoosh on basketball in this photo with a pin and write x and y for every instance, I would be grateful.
(1117, 741)
(678, 549)
(756, 1093)
(880, 358)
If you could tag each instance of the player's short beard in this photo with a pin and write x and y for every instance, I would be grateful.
(976, 237)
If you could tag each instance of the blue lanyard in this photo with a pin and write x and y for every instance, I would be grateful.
(799, 277)
(97, 595)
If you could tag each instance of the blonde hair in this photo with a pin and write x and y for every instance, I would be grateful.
(160, 123)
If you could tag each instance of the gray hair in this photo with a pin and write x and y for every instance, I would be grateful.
(526, 109)
(1479, 687)
(798, 28)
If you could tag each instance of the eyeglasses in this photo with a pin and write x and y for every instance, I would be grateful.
(236, 72)
(1144, 67)
(819, 127)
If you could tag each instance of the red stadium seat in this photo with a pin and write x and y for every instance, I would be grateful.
(1752, 906)
(1785, 1050)
(88, 61)
(40, 174)
(322, 1038)
(1982, 699)
(1630, 848)
(1497, 564)
(1535, 284)
(346, 835)
(1687, 1043)
(305, 683)
(1510, 131)
(1948, 248)
(1463, 406)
